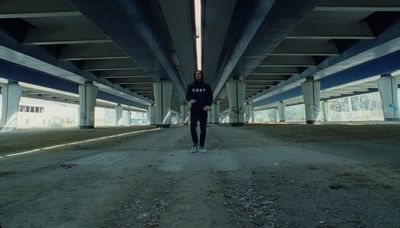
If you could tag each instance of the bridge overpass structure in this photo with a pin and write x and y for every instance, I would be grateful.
(139, 56)
(266, 54)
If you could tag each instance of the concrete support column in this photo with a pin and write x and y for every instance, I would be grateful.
(162, 97)
(252, 118)
(118, 115)
(281, 112)
(388, 90)
(215, 110)
(87, 103)
(236, 92)
(209, 116)
(151, 115)
(128, 118)
(11, 96)
(311, 96)
(184, 113)
(249, 113)
(325, 110)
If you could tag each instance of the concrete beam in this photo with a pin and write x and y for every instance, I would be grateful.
(111, 64)
(124, 74)
(64, 35)
(270, 77)
(306, 48)
(132, 28)
(275, 70)
(252, 18)
(328, 30)
(131, 80)
(370, 5)
(32, 8)
(288, 61)
(93, 51)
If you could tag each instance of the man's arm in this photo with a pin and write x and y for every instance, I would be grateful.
(209, 96)
(189, 96)
(209, 99)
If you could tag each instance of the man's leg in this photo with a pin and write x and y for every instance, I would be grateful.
(193, 125)
(203, 128)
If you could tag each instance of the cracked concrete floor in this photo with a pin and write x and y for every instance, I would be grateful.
(252, 176)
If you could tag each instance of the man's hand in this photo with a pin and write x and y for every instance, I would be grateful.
(192, 101)
(206, 108)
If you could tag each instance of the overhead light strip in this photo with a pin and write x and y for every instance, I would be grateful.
(197, 21)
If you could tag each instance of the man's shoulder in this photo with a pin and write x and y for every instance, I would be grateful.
(191, 85)
(206, 84)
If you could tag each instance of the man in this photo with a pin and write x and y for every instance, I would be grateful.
(200, 97)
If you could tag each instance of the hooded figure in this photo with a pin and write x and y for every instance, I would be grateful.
(199, 95)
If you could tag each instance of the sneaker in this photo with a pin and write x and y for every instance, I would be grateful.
(202, 149)
(194, 149)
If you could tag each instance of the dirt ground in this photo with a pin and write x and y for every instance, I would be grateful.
(251, 176)
(22, 140)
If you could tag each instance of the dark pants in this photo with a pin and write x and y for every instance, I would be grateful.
(198, 115)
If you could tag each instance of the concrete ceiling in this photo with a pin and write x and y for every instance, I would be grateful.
(125, 46)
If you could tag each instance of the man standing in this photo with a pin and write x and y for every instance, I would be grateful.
(200, 97)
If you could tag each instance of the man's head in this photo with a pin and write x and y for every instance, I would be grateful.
(198, 75)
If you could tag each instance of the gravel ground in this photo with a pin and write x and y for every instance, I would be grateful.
(252, 176)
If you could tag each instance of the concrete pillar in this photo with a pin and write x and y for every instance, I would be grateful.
(252, 114)
(162, 97)
(325, 110)
(87, 103)
(249, 113)
(215, 110)
(281, 112)
(184, 113)
(209, 116)
(118, 115)
(311, 96)
(236, 92)
(151, 115)
(129, 118)
(11, 96)
(388, 86)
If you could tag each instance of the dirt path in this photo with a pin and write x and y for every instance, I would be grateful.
(248, 178)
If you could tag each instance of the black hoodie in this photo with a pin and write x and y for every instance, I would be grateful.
(201, 92)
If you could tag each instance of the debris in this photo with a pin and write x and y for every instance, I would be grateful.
(153, 224)
(144, 215)
(337, 186)
(67, 166)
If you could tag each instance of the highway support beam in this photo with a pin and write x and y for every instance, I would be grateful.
(281, 113)
(311, 95)
(87, 104)
(151, 114)
(184, 113)
(215, 110)
(162, 97)
(118, 115)
(388, 87)
(325, 110)
(11, 96)
(249, 113)
(236, 92)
